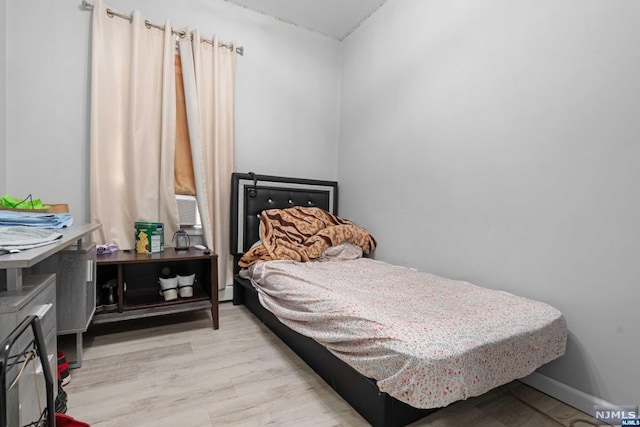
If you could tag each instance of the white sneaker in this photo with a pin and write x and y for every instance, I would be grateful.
(185, 285)
(168, 288)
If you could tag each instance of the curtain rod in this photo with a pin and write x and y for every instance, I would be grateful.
(182, 34)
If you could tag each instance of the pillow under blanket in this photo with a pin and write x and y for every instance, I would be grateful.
(303, 234)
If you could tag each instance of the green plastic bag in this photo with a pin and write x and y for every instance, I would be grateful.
(28, 202)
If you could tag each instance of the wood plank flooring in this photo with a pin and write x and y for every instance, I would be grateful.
(176, 370)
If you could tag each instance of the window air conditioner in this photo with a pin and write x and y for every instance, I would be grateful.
(188, 210)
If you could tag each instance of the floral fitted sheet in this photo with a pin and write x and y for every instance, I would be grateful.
(428, 341)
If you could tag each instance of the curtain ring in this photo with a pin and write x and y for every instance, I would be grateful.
(110, 13)
(147, 24)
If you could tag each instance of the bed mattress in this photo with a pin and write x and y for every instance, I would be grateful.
(427, 341)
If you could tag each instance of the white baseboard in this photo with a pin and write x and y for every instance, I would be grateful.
(564, 393)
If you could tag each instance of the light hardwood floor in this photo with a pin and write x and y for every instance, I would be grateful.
(177, 371)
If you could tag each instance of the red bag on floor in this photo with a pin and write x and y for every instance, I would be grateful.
(66, 420)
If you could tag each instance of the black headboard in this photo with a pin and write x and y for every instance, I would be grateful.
(251, 194)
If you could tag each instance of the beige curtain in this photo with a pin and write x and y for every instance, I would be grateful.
(209, 79)
(133, 127)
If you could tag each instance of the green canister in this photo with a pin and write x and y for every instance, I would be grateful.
(149, 237)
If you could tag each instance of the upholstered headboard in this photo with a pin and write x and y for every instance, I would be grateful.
(251, 194)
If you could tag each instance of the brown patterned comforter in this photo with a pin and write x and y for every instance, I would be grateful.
(303, 234)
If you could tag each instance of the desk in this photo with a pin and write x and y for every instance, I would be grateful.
(12, 265)
(72, 259)
(32, 282)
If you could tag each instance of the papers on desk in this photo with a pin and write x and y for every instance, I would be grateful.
(20, 237)
(33, 219)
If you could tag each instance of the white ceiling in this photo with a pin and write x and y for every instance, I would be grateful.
(333, 18)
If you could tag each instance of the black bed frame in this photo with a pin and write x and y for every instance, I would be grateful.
(251, 194)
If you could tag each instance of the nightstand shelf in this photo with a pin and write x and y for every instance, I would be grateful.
(138, 290)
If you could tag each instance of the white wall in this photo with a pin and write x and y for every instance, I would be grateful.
(3, 97)
(286, 107)
(498, 142)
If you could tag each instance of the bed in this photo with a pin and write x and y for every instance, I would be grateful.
(405, 389)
